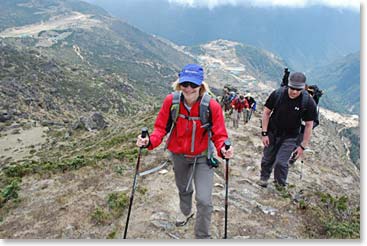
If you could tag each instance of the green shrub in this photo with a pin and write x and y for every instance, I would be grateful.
(103, 155)
(100, 216)
(117, 202)
(32, 167)
(119, 169)
(342, 229)
(302, 204)
(32, 151)
(10, 192)
(142, 190)
(332, 217)
(120, 155)
(77, 162)
(112, 235)
(118, 140)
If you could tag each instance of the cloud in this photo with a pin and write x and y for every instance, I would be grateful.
(350, 4)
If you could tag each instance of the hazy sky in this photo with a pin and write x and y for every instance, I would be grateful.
(351, 4)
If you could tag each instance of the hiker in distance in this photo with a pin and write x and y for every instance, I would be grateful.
(191, 144)
(251, 107)
(281, 124)
(238, 104)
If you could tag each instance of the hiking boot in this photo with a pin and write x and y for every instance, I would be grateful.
(280, 187)
(283, 190)
(182, 219)
(263, 183)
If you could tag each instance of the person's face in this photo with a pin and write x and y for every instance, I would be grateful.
(190, 90)
(293, 92)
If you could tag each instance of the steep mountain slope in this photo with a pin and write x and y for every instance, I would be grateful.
(32, 85)
(73, 193)
(341, 82)
(79, 59)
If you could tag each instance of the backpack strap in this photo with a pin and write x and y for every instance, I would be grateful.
(205, 112)
(278, 98)
(175, 107)
(174, 113)
(279, 95)
(206, 122)
(305, 98)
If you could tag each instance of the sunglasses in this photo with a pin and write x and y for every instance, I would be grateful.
(294, 89)
(186, 84)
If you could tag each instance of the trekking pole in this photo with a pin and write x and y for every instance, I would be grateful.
(144, 132)
(301, 173)
(227, 144)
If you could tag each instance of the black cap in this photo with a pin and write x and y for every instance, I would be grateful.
(297, 80)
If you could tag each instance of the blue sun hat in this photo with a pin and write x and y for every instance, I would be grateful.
(192, 73)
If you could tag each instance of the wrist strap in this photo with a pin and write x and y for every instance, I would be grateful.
(303, 148)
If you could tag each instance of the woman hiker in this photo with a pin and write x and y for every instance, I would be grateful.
(190, 144)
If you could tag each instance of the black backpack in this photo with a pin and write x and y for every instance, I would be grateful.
(315, 92)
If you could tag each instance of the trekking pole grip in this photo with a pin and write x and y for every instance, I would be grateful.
(144, 132)
(227, 144)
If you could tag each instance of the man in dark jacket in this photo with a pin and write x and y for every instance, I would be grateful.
(252, 107)
(281, 122)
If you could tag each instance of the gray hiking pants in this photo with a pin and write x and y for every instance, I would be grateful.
(236, 118)
(203, 181)
(276, 156)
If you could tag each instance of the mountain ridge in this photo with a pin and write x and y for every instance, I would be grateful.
(313, 29)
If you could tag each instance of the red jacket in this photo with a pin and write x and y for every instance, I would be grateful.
(180, 140)
(239, 104)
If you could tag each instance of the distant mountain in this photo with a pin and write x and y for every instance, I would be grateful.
(304, 37)
(341, 82)
(90, 57)
(93, 61)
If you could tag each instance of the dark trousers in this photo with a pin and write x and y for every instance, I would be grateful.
(247, 115)
(276, 156)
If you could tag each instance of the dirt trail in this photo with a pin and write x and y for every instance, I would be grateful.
(57, 23)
